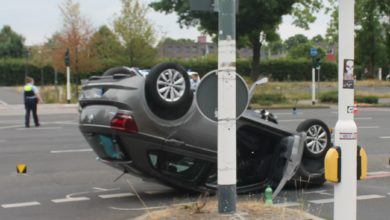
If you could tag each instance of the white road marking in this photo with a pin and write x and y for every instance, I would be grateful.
(377, 173)
(138, 209)
(11, 122)
(368, 127)
(321, 201)
(98, 189)
(385, 137)
(12, 126)
(19, 205)
(363, 118)
(70, 199)
(118, 195)
(152, 207)
(3, 103)
(70, 151)
(291, 120)
(363, 197)
(366, 197)
(287, 113)
(321, 192)
(39, 128)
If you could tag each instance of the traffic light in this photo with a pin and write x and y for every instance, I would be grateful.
(67, 58)
(317, 63)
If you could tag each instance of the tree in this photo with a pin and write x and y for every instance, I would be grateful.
(105, 47)
(136, 33)
(75, 35)
(303, 51)
(295, 40)
(370, 39)
(254, 17)
(41, 57)
(11, 43)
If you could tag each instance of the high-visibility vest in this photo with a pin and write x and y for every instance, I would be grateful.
(29, 92)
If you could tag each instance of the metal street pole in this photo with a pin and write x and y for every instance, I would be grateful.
(313, 86)
(68, 97)
(227, 107)
(345, 129)
(77, 71)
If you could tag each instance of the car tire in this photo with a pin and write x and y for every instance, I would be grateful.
(318, 138)
(167, 90)
(116, 70)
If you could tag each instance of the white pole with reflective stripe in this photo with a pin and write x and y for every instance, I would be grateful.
(68, 92)
(227, 107)
(345, 129)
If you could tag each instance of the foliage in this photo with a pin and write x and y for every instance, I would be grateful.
(11, 43)
(295, 40)
(250, 22)
(303, 51)
(268, 99)
(106, 48)
(332, 97)
(12, 72)
(136, 33)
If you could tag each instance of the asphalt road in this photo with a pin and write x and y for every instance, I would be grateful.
(64, 180)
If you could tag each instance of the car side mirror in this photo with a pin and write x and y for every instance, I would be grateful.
(253, 87)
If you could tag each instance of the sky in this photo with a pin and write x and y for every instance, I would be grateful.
(37, 20)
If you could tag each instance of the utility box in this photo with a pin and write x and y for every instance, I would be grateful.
(333, 165)
(202, 5)
(207, 5)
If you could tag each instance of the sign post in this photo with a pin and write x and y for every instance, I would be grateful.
(226, 111)
(345, 129)
(227, 107)
(67, 63)
(313, 53)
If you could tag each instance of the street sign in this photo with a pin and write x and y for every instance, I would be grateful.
(207, 5)
(313, 52)
(207, 96)
(202, 5)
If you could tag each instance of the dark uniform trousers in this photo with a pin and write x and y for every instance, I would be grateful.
(31, 106)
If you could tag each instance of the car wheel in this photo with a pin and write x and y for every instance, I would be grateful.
(167, 90)
(318, 137)
(116, 70)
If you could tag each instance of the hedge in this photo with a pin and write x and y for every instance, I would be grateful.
(332, 97)
(12, 71)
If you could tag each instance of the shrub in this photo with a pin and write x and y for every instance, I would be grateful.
(268, 99)
(332, 97)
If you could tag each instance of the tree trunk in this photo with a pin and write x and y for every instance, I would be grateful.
(256, 47)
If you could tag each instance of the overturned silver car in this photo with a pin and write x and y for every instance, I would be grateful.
(150, 126)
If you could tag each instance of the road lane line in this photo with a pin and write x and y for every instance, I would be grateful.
(99, 189)
(377, 175)
(117, 195)
(367, 197)
(19, 205)
(12, 126)
(368, 127)
(3, 103)
(70, 151)
(321, 201)
(363, 197)
(291, 120)
(39, 128)
(385, 137)
(363, 118)
(70, 199)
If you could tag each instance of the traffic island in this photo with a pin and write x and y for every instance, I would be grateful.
(247, 210)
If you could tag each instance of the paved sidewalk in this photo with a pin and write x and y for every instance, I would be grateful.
(43, 109)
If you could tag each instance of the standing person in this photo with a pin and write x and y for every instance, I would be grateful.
(31, 99)
(194, 81)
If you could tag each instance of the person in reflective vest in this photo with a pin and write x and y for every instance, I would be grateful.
(31, 99)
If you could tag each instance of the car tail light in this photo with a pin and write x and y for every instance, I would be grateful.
(122, 122)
